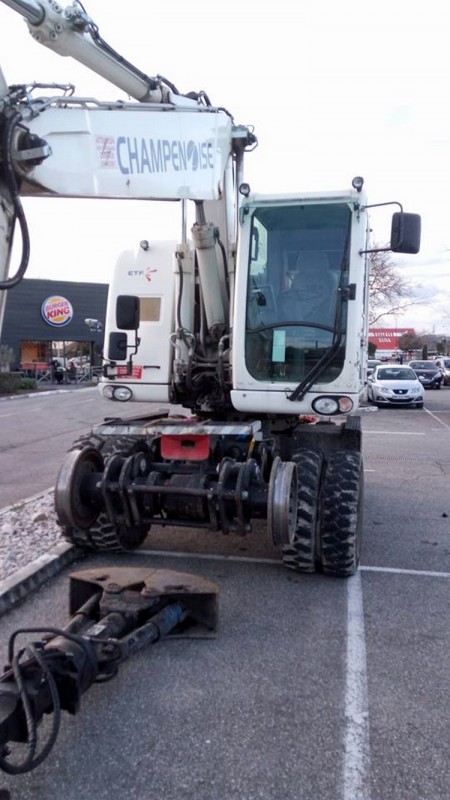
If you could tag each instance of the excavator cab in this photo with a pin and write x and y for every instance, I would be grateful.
(301, 301)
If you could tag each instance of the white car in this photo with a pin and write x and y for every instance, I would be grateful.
(392, 384)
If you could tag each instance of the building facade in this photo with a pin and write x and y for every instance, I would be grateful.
(44, 319)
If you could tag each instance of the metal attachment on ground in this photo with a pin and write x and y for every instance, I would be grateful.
(115, 613)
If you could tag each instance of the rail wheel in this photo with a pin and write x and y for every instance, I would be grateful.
(340, 530)
(282, 501)
(81, 523)
(300, 553)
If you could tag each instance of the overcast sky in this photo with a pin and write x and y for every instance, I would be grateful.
(334, 89)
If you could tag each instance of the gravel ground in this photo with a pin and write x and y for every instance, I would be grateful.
(27, 530)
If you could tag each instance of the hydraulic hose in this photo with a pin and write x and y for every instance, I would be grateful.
(11, 183)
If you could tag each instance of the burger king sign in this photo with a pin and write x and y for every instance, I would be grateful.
(57, 311)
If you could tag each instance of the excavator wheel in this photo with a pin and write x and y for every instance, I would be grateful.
(340, 529)
(300, 553)
(102, 534)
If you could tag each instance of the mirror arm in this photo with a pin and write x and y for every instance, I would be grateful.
(378, 205)
(134, 347)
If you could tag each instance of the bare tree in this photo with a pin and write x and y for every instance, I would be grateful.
(410, 341)
(389, 293)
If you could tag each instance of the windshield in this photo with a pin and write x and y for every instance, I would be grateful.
(297, 263)
(393, 374)
(423, 365)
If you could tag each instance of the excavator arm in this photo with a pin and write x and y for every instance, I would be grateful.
(161, 146)
(71, 32)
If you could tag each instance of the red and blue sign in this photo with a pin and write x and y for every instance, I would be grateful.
(57, 311)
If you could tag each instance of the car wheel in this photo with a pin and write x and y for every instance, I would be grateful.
(420, 404)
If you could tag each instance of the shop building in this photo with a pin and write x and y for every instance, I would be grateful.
(46, 319)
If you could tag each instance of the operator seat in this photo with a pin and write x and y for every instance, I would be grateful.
(311, 296)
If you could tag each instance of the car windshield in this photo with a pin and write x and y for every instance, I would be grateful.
(423, 365)
(446, 363)
(396, 374)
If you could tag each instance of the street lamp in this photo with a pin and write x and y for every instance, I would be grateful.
(94, 324)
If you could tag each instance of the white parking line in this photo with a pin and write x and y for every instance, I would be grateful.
(397, 433)
(423, 573)
(15, 413)
(277, 562)
(356, 776)
(441, 422)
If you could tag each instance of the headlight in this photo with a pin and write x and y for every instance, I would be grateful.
(332, 405)
(416, 391)
(383, 389)
(107, 391)
(121, 393)
(326, 405)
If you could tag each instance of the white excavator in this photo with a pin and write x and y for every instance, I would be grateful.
(255, 322)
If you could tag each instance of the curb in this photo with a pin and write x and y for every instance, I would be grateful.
(17, 586)
(44, 393)
(25, 501)
(20, 584)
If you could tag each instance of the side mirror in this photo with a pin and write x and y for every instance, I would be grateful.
(127, 312)
(405, 232)
(117, 346)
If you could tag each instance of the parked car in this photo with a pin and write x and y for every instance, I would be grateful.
(394, 384)
(429, 374)
(371, 364)
(443, 362)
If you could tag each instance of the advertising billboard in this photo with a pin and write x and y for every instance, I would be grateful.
(387, 338)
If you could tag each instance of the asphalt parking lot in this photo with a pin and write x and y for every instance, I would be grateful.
(315, 688)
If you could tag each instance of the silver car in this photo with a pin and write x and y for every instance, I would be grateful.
(397, 385)
(443, 362)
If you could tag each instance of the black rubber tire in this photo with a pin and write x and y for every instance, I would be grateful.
(104, 535)
(419, 405)
(300, 553)
(339, 541)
